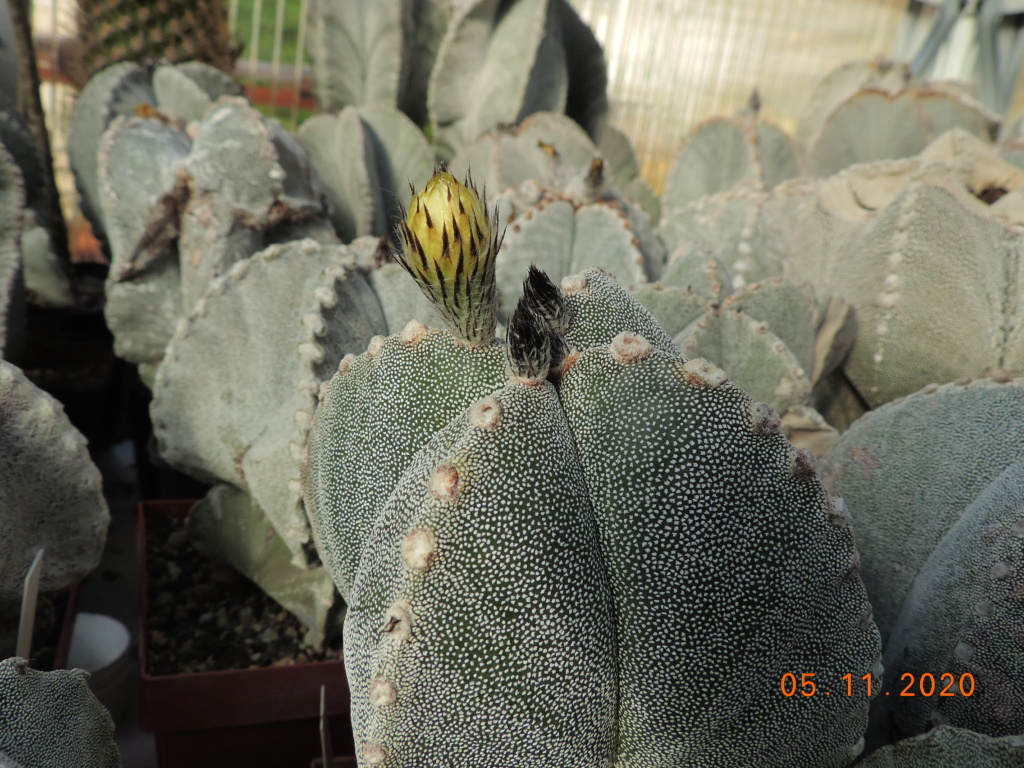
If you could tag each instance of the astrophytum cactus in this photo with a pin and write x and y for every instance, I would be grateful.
(935, 482)
(50, 497)
(946, 746)
(754, 150)
(181, 91)
(280, 321)
(903, 241)
(52, 720)
(563, 204)
(366, 157)
(181, 206)
(580, 511)
(868, 112)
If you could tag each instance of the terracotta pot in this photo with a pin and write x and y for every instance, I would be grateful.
(266, 717)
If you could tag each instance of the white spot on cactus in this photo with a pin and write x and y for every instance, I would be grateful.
(892, 283)
(344, 366)
(485, 413)
(963, 651)
(382, 692)
(877, 358)
(1001, 571)
(239, 268)
(294, 486)
(573, 283)
(761, 328)
(374, 754)
(325, 297)
(702, 373)
(200, 308)
(857, 747)
(303, 419)
(418, 549)
(894, 259)
(629, 348)
(882, 328)
(764, 420)
(297, 450)
(444, 483)
(799, 373)
(311, 352)
(839, 513)
(375, 345)
(277, 173)
(413, 333)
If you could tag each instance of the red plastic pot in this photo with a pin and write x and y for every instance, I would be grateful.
(260, 718)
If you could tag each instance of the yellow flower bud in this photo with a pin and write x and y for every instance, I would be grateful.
(448, 244)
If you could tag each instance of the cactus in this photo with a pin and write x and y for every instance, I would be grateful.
(934, 481)
(366, 156)
(12, 288)
(122, 90)
(458, 68)
(46, 276)
(562, 204)
(850, 117)
(173, 223)
(604, 537)
(757, 151)
(50, 497)
(947, 746)
(904, 240)
(52, 720)
(171, 30)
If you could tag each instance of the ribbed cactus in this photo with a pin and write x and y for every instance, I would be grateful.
(460, 68)
(755, 150)
(123, 90)
(52, 720)
(563, 204)
(871, 111)
(366, 158)
(934, 482)
(50, 497)
(634, 537)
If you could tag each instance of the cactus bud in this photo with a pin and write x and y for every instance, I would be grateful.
(448, 244)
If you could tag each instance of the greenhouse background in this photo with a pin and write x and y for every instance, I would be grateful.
(671, 63)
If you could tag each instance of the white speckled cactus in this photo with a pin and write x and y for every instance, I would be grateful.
(52, 720)
(613, 566)
(50, 497)
(935, 482)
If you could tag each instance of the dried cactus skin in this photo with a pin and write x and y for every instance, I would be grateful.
(142, 167)
(724, 151)
(50, 491)
(498, 613)
(961, 616)
(308, 307)
(879, 463)
(52, 719)
(375, 413)
(708, 588)
(947, 746)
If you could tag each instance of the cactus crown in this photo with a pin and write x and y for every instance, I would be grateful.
(449, 241)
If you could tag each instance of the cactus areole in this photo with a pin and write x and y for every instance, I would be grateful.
(577, 548)
(449, 242)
